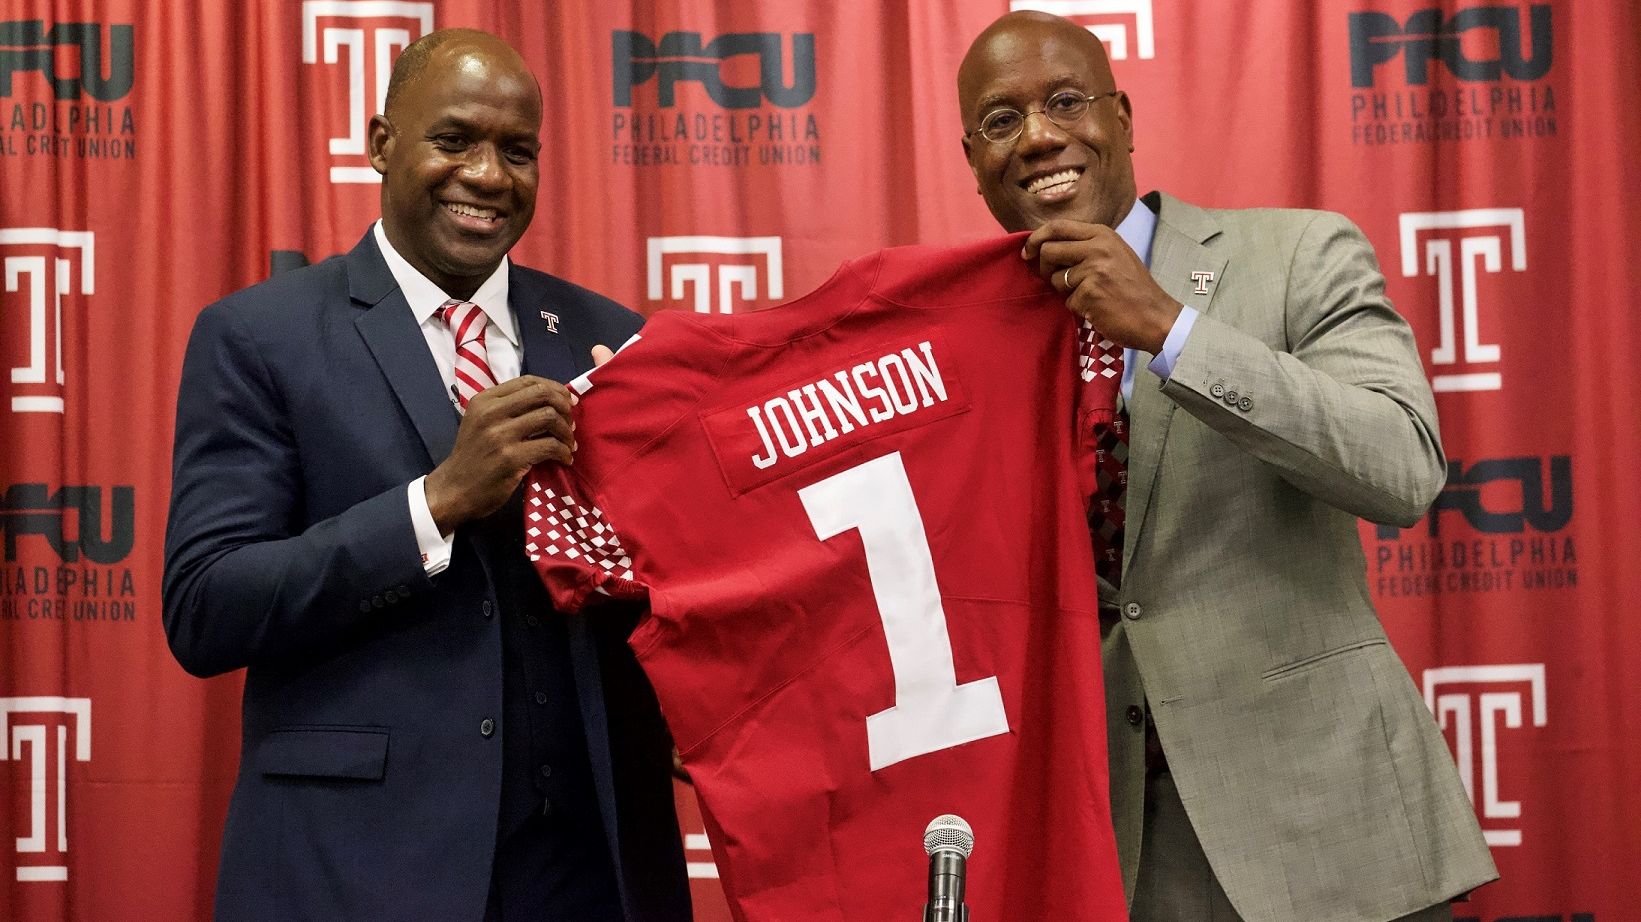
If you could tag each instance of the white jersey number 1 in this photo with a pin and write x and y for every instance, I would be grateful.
(931, 711)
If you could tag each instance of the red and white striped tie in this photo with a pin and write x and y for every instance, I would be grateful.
(472, 371)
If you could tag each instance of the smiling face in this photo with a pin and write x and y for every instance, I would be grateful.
(457, 153)
(1083, 172)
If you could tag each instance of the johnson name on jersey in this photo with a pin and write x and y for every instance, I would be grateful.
(857, 521)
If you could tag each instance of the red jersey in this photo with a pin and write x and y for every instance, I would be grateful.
(858, 522)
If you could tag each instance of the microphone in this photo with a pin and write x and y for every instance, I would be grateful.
(948, 841)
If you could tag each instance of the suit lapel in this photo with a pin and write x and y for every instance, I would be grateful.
(396, 341)
(547, 353)
(1177, 251)
(554, 341)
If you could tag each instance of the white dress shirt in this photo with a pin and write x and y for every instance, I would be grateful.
(501, 346)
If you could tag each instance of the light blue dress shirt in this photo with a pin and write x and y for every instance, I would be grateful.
(1136, 230)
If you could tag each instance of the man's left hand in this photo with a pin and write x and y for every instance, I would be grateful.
(1104, 281)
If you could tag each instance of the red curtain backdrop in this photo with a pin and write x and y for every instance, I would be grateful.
(722, 156)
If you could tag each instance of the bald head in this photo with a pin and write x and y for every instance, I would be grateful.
(447, 48)
(1066, 160)
(1024, 33)
(457, 149)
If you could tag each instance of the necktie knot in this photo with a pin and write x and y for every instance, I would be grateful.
(466, 321)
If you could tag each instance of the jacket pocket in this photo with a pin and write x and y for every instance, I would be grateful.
(1319, 658)
(358, 753)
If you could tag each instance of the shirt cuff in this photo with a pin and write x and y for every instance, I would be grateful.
(1162, 364)
(435, 547)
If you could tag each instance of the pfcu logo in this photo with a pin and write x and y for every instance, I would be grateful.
(1428, 36)
(27, 46)
(714, 273)
(364, 36)
(1476, 704)
(680, 57)
(71, 521)
(1537, 505)
(1517, 511)
(1427, 240)
(42, 266)
(1107, 19)
(43, 733)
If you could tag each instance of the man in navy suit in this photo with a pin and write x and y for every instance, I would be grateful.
(424, 738)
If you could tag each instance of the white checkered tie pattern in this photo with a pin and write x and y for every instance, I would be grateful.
(472, 370)
(1097, 355)
(559, 525)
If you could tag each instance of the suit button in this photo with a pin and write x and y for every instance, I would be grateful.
(532, 620)
(1217, 391)
(391, 597)
(1131, 611)
(546, 771)
(376, 601)
(1135, 715)
(541, 697)
(364, 605)
(1246, 404)
(487, 728)
(489, 608)
(404, 591)
(1230, 398)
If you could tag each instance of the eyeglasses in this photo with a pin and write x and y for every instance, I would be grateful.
(1064, 109)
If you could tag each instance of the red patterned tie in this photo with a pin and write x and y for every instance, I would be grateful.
(1102, 357)
(472, 370)
(1105, 514)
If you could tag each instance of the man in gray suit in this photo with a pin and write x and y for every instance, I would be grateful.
(1270, 758)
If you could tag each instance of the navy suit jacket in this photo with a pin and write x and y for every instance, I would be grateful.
(371, 765)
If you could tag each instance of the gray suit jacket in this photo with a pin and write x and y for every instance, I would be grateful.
(1314, 776)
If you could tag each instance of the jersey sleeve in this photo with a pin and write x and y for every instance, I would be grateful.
(572, 544)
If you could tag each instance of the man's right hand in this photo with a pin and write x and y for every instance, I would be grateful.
(1104, 282)
(507, 430)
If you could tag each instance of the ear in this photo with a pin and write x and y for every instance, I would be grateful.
(968, 155)
(379, 140)
(1125, 117)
